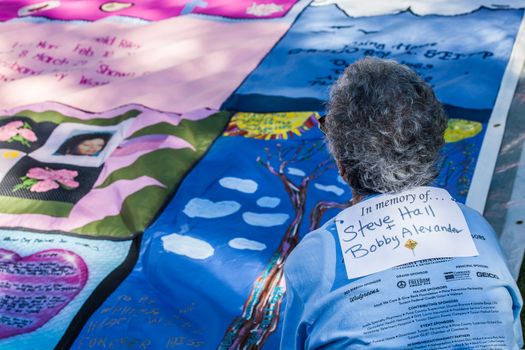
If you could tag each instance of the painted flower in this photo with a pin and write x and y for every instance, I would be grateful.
(46, 179)
(17, 131)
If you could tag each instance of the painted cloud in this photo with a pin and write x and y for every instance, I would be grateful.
(264, 220)
(359, 8)
(203, 208)
(268, 202)
(237, 184)
(337, 190)
(261, 10)
(243, 243)
(185, 245)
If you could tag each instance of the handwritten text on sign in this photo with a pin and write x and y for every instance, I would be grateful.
(390, 230)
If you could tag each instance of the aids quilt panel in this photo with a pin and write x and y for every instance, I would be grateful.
(453, 54)
(71, 171)
(46, 280)
(158, 166)
(107, 64)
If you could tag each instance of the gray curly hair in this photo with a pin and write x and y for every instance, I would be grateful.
(384, 127)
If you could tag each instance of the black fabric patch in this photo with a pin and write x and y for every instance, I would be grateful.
(86, 178)
(42, 131)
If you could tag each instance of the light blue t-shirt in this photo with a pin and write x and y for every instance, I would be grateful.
(446, 303)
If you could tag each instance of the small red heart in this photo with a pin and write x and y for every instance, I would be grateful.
(35, 288)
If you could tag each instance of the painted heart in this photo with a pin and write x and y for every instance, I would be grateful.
(33, 289)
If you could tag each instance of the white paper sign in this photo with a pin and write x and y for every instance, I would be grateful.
(390, 230)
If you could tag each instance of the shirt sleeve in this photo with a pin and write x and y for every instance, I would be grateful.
(294, 328)
(308, 274)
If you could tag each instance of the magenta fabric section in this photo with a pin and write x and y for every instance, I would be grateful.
(151, 10)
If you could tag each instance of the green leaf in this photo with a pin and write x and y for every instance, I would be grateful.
(20, 139)
(29, 182)
(17, 187)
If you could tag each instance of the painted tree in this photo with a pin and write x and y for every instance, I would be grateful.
(320, 208)
(260, 314)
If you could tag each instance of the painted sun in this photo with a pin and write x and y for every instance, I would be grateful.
(271, 126)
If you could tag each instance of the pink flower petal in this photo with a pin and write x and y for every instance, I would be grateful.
(64, 174)
(6, 134)
(71, 184)
(44, 186)
(40, 174)
(13, 125)
(27, 134)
